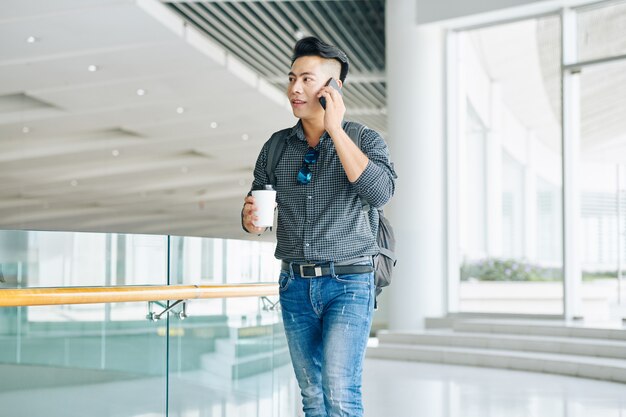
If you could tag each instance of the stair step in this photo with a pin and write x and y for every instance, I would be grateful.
(255, 331)
(547, 344)
(537, 328)
(236, 368)
(573, 365)
(249, 346)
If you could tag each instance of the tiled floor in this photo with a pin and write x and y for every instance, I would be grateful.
(391, 389)
(403, 389)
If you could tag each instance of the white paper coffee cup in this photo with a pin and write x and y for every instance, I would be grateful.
(265, 200)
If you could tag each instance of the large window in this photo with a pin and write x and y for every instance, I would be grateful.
(519, 97)
(603, 188)
(509, 171)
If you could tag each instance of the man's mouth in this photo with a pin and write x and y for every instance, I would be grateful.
(297, 102)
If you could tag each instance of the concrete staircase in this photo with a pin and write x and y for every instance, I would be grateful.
(247, 351)
(536, 346)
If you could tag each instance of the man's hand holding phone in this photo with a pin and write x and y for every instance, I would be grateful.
(331, 99)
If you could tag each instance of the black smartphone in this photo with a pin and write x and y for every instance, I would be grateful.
(334, 85)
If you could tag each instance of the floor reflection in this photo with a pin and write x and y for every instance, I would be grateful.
(403, 389)
(390, 389)
(192, 394)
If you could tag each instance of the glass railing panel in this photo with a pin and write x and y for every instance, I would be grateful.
(64, 259)
(104, 367)
(105, 358)
(229, 357)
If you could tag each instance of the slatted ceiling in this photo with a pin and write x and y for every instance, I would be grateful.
(357, 93)
(262, 34)
(266, 25)
(254, 38)
(371, 94)
(322, 24)
(357, 29)
(601, 30)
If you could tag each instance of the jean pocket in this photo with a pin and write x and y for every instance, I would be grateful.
(284, 280)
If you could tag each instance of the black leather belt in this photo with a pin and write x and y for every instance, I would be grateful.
(318, 270)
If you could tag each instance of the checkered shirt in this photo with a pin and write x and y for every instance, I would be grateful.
(324, 220)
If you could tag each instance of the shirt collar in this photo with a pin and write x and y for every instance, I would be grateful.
(298, 132)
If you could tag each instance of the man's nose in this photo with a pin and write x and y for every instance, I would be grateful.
(296, 87)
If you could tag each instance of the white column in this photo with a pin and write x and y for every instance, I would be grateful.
(415, 110)
(456, 98)
(530, 199)
(494, 174)
(571, 165)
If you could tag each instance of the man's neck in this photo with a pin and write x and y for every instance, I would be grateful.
(313, 130)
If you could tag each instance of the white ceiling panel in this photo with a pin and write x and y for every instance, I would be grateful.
(80, 150)
(110, 26)
(22, 9)
(132, 62)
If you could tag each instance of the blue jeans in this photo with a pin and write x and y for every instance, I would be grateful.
(327, 321)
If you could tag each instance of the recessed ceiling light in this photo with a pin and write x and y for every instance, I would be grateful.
(32, 39)
(213, 125)
(299, 34)
(180, 110)
(245, 136)
(73, 183)
(115, 152)
(25, 129)
(141, 92)
(92, 68)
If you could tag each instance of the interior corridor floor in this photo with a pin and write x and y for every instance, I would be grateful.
(391, 389)
(403, 389)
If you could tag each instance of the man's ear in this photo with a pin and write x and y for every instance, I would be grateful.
(339, 83)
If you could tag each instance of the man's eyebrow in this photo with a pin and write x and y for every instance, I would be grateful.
(304, 73)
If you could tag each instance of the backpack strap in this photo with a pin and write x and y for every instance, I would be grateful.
(355, 131)
(389, 254)
(278, 141)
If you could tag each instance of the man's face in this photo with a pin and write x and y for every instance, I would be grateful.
(307, 77)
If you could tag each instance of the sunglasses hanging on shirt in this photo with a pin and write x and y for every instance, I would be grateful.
(305, 174)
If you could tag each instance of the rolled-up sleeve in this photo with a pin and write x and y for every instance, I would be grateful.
(377, 183)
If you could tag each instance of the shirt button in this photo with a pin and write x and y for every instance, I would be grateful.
(310, 197)
(306, 244)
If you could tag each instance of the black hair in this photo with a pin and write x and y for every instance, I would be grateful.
(311, 46)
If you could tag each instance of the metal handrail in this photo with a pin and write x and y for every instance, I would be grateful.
(17, 297)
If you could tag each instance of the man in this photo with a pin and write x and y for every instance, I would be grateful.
(325, 239)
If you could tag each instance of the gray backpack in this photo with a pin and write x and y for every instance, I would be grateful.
(385, 261)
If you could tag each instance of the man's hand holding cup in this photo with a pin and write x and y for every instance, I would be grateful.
(249, 216)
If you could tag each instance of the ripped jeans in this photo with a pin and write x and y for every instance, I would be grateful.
(327, 322)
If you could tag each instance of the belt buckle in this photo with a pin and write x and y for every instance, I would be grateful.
(317, 269)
